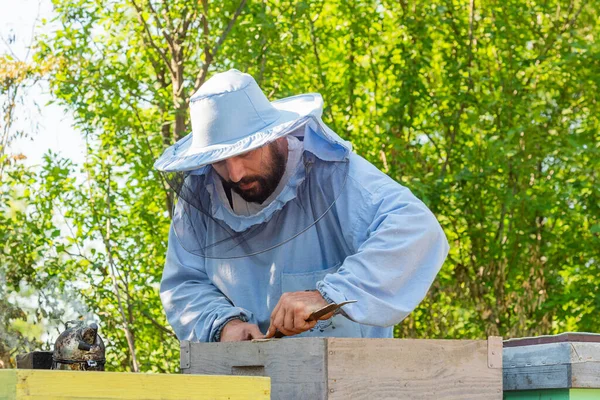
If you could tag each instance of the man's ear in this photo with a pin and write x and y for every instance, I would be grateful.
(282, 144)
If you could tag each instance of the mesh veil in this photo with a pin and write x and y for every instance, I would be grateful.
(206, 225)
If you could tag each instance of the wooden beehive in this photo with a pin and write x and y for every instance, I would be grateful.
(565, 366)
(336, 368)
(70, 385)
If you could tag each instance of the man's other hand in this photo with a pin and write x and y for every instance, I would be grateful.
(292, 311)
(237, 330)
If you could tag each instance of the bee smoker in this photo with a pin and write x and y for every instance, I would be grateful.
(79, 348)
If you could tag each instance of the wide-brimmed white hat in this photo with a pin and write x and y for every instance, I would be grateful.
(231, 115)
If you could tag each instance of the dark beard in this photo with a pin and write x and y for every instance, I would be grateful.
(267, 184)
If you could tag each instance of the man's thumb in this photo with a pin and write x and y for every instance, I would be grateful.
(270, 332)
(255, 332)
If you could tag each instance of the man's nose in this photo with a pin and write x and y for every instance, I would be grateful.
(235, 169)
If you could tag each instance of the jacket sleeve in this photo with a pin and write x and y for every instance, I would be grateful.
(400, 247)
(195, 308)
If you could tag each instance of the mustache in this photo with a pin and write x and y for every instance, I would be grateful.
(244, 181)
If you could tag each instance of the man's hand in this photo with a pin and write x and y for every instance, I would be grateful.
(292, 311)
(237, 330)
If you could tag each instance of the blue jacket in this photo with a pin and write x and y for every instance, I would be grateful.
(378, 244)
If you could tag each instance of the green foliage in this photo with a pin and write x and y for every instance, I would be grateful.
(25, 221)
(488, 111)
(28, 294)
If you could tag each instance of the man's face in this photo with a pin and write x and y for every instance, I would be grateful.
(255, 175)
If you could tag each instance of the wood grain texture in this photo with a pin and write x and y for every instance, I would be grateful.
(563, 337)
(585, 375)
(585, 365)
(537, 355)
(8, 385)
(538, 377)
(296, 366)
(542, 366)
(411, 369)
(552, 366)
(71, 385)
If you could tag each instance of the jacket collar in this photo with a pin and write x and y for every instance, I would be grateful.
(319, 141)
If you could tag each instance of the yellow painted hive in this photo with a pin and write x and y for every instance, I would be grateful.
(68, 385)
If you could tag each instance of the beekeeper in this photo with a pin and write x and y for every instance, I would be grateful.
(276, 217)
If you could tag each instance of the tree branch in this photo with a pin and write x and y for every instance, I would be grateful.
(210, 55)
(185, 23)
(207, 55)
(107, 244)
(549, 45)
(165, 186)
(322, 77)
(149, 34)
(167, 15)
(162, 29)
(159, 325)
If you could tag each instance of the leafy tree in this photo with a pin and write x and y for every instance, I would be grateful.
(25, 225)
(124, 69)
(488, 111)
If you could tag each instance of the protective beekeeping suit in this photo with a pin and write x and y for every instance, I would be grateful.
(272, 202)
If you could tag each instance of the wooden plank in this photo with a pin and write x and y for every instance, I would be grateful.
(184, 353)
(494, 352)
(71, 385)
(538, 355)
(411, 369)
(563, 337)
(538, 377)
(542, 366)
(585, 365)
(8, 385)
(552, 366)
(296, 366)
(585, 375)
(584, 352)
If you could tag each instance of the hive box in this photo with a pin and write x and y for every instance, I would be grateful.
(71, 385)
(565, 366)
(332, 368)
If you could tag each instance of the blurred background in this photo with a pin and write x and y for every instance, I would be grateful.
(487, 110)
